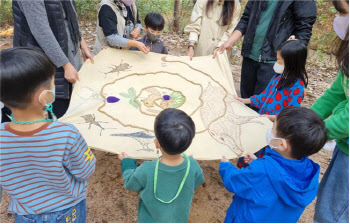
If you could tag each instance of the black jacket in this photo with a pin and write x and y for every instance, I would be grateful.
(293, 17)
(24, 38)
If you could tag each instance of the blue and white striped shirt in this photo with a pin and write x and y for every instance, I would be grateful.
(44, 170)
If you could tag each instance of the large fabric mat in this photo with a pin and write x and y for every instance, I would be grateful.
(117, 99)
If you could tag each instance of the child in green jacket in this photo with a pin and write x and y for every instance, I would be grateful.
(332, 203)
(166, 185)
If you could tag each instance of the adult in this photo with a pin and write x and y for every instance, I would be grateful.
(118, 25)
(212, 23)
(53, 27)
(266, 24)
(332, 203)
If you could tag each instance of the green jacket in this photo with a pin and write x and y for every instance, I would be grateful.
(141, 179)
(333, 107)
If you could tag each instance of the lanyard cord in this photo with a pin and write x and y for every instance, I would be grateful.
(48, 108)
(181, 185)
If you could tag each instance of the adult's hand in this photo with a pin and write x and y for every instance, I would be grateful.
(70, 73)
(136, 33)
(226, 46)
(190, 53)
(85, 52)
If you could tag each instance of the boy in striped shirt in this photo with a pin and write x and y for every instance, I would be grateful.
(44, 164)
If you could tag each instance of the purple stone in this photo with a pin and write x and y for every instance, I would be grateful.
(166, 97)
(112, 99)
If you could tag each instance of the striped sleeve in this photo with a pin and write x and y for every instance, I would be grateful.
(78, 159)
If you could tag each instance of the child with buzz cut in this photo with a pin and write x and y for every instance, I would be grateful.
(166, 185)
(154, 25)
(44, 163)
(278, 186)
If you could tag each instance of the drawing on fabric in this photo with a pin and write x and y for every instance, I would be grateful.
(141, 137)
(91, 120)
(118, 68)
(90, 94)
(227, 130)
(131, 95)
(163, 100)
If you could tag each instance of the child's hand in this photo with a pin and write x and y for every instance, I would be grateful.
(122, 156)
(270, 117)
(245, 101)
(249, 158)
(224, 159)
(142, 47)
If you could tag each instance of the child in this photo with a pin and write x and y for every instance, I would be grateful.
(167, 184)
(154, 24)
(278, 187)
(44, 163)
(286, 88)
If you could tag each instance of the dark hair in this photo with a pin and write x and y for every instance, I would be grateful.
(227, 11)
(174, 131)
(22, 72)
(155, 21)
(294, 54)
(303, 129)
(341, 49)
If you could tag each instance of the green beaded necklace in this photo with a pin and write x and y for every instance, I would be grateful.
(48, 108)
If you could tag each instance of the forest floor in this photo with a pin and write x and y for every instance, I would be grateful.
(108, 201)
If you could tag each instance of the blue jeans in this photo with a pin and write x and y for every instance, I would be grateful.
(75, 214)
(332, 203)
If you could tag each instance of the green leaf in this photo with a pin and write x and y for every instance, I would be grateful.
(125, 95)
(134, 104)
(132, 92)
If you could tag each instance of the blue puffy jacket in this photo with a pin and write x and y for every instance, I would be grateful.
(270, 189)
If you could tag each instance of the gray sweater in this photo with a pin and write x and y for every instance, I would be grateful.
(35, 13)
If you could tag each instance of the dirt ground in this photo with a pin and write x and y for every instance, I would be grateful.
(108, 201)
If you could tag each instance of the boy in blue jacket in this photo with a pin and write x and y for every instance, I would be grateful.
(278, 186)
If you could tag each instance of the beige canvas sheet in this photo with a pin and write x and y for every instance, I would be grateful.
(117, 99)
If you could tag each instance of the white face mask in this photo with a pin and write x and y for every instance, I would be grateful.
(278, 68)
(270, 136)
(341, 25)
(53, 91)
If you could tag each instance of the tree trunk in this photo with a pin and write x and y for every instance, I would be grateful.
(177, 15)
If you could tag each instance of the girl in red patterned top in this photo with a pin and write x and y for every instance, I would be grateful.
(286, 88)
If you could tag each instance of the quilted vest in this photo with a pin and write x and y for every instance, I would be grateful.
(24, 38)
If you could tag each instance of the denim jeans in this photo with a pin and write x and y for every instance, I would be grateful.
(75, 214)
(332, 203)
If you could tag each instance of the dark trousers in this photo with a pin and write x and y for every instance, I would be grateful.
(255, 77)
(60, 107)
